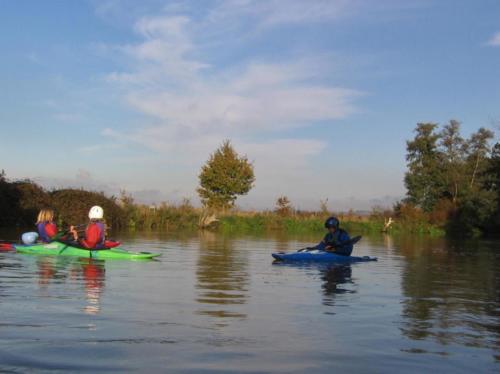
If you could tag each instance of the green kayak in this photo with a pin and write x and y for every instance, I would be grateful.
(61, 249)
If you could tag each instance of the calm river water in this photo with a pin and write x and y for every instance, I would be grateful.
(214, 303)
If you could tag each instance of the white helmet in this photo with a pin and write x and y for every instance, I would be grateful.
(96, 212)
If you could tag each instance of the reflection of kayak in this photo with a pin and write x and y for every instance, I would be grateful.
(61, 249)
(320, 256)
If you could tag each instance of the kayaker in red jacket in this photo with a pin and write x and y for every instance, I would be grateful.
(47, 229)
(95, 233)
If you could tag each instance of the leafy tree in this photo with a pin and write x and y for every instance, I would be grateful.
(477, 156)
(424, 180)
(225, 176)
(493, 185)
(494, 169)
(453, 146)
(454, 180)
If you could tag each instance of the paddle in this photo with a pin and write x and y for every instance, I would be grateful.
(60, 234)
(340, 245)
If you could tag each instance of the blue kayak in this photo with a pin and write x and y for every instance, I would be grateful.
(320, 256)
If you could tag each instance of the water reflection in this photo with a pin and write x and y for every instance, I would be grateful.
(88, 272)
(451, 293)
(334, 278)
(93, 273)
(222, 278)
(50, 268)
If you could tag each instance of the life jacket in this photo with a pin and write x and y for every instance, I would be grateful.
(42, 232)
(334, 239)
(102, 236)
(342, 237)
(102, 233)
(337, 237)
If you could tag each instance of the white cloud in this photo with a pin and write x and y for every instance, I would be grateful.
(188, 97)
(275, 12)
(193, 103)
(495, 40)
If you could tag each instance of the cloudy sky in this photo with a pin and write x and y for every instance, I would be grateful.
(320, 94)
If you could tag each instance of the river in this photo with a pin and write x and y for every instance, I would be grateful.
(216, 303)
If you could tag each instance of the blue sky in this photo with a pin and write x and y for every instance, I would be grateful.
(320, 95)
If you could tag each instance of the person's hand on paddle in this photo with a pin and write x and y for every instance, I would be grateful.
(307, 249)
(72, 230)
(330, 248)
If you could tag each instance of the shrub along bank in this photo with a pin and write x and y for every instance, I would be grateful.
(20, 202)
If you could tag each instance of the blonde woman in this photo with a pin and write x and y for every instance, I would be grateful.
(47, 229)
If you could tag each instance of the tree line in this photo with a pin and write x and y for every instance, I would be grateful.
(452, 184)
(20, 202)
(453, 181)
(224, 176)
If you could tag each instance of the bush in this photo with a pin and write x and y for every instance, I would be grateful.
(443, 211)
(72, 207)
(32, 198)
(474, 214)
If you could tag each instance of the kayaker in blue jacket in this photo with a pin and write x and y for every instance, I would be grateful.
(334, 238)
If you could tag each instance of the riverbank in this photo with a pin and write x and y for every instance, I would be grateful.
(21, 200)
(315, 223)
(184, 216)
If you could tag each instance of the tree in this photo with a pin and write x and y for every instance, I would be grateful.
(454, 147)
(225, 176)
(424, 179)
(492, 184)
(9, 202)
(478, 150)
(283, 206)
(494, 169)
(454, 181)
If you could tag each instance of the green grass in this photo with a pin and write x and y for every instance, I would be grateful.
(298, 224)
(185, 217)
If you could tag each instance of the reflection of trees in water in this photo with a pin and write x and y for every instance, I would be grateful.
(222, 277)
(91, 272)
(452, 293)
(334, 277)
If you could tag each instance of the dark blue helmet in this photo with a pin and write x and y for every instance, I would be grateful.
(332, 222)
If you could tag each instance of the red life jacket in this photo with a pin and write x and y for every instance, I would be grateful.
(94, 236)
(46, 230)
